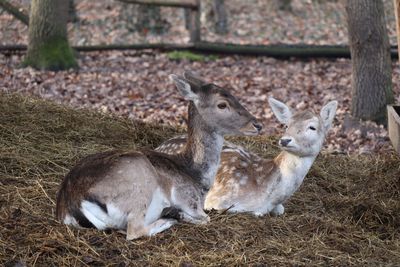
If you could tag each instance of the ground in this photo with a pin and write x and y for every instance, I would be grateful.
(136, 84)
(346, 213)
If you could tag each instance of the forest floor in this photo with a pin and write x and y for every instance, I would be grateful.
(136, 84)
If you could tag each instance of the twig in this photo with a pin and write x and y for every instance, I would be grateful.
(41, 187)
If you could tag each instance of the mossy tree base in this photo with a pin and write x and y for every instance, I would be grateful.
(53, 55)
(48, 47)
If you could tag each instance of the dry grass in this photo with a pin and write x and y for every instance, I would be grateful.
(346, 213)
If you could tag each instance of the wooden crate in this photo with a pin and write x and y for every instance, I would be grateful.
(394, 126)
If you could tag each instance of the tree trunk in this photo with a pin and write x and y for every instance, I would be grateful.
(371, 62)
(396, 5)
(221, 18)
(186, 14)
(72, 15)
(48, 47)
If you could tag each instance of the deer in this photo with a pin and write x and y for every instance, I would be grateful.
(130, 190)
(246, 182)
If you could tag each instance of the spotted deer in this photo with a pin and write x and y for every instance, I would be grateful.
(246, 182)
(130, 190)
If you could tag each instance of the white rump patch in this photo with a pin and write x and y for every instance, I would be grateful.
(115, 218)
(94, 214)
(69, 220)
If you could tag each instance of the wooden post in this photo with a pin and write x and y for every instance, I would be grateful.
(397, 11)
(194, 24)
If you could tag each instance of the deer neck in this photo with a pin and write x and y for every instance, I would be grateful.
(203, 148)
(293, 167)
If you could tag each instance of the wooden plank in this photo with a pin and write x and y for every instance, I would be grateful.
(192, 4)
(397, 11)
(394, 126)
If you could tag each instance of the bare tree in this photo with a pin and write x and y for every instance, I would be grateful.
(371, 62)
(220, 16)
(72, 15)
(48, 46)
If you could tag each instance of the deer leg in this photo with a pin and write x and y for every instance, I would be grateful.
(258, 214)
(278, 210)
(194, 213)
(160, 225)
(137, 229)
(150, 222)
(195, 218)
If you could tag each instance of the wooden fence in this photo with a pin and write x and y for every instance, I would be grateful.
(196, 45)
(194, 13)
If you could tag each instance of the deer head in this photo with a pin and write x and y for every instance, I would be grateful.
(220, 111)
(305, 131)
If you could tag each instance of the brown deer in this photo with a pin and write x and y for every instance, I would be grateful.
(130, 190)
(247, 183)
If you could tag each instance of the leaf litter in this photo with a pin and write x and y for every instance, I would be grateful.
(136, 85)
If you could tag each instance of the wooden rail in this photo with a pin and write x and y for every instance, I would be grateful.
(277, 51)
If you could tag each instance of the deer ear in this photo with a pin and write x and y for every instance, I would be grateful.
(281, 111)
(328, 113)
(184, 87)
(193, 78)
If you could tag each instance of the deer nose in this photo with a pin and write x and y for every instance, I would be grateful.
(284, 142)
(258, 126)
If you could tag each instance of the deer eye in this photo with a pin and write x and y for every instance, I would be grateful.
(222, 105)
(312, 128)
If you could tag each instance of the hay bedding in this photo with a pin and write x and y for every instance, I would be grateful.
(346, 213)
